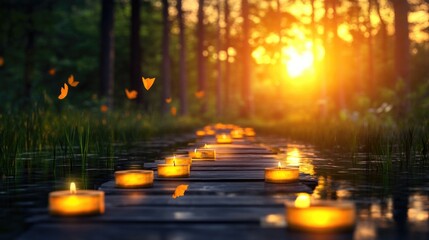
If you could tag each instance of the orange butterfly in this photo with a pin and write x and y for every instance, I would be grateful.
(72, 82)
(131, 94)
(52, 71)
(180, 191)
(104, 108)
(148, 82)
(173, 111)
(199, 94)
(168, 100)
(1, 61)
(64, 91)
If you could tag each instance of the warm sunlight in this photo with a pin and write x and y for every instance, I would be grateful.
(297, 62)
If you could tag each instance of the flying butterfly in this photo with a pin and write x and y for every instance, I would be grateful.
(72, 82)
(131, 94)
(64, 92)
(148, 82)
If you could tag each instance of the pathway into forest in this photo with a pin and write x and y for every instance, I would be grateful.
(226, 199)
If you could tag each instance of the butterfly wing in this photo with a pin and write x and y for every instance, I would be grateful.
(148, 82)
(72, 82)
(180, 190)
(64, 92)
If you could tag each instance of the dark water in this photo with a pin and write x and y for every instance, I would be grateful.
(392, 201)
(40, 173)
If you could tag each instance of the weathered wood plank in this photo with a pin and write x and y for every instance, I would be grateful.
(169, 231)
(213, 188)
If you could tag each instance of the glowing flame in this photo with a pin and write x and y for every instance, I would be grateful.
(174, 161)
(72, 188)
(205, 146)
(303, 200)
(195, 150)
(279, 165)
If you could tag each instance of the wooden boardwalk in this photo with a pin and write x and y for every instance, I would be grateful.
(226, 199)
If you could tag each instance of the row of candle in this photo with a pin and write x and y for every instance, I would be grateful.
(302, 214)
(91, 202)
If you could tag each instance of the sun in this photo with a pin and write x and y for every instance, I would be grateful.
(297, 61)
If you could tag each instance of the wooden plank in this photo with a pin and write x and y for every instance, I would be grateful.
(212, 188)
(170, 231)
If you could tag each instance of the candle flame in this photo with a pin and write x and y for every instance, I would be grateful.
(174, 161)
(279, 165)
(72, 188)
(195, 150)
(303, 200)
(205, 146)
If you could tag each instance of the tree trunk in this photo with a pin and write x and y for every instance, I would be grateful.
(226, 83)
(29, 55)
(200, 56)
(402, 46)
(166, 73)
(182, 62)
(384, 46)
(372, 86)
(135, 52)
(219, 65)
(245, 87)
(336, 72)
(107, 51)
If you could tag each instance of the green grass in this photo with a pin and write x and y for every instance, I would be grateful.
(72, 135)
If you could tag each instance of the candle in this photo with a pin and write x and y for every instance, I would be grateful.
(321, 215)
(237, 133)
(223, 138)
(203, 153)
(76, 202)
(200, 133)
(179, 160)
(281, 174)
(210, 132)
(134, 178)
(173, 170)
(249, 132)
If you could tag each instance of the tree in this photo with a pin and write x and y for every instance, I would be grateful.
(182, 62)
(201, 65)
(402, 45)
(107, 51)
(166, 69)
(219, 65)
(245, 84)
(135, 51)
(226, 92)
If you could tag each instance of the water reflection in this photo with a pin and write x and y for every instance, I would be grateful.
(293, 157)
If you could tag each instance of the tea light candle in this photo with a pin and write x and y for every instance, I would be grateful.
(321, 215)
(76, 202)
(249, 132)
(200, 133)
(237, 133)
(134, 178)
(203, 153)
(173, 170)
(210, 132)
(223, 138)
(281, 174)
(179, 160)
